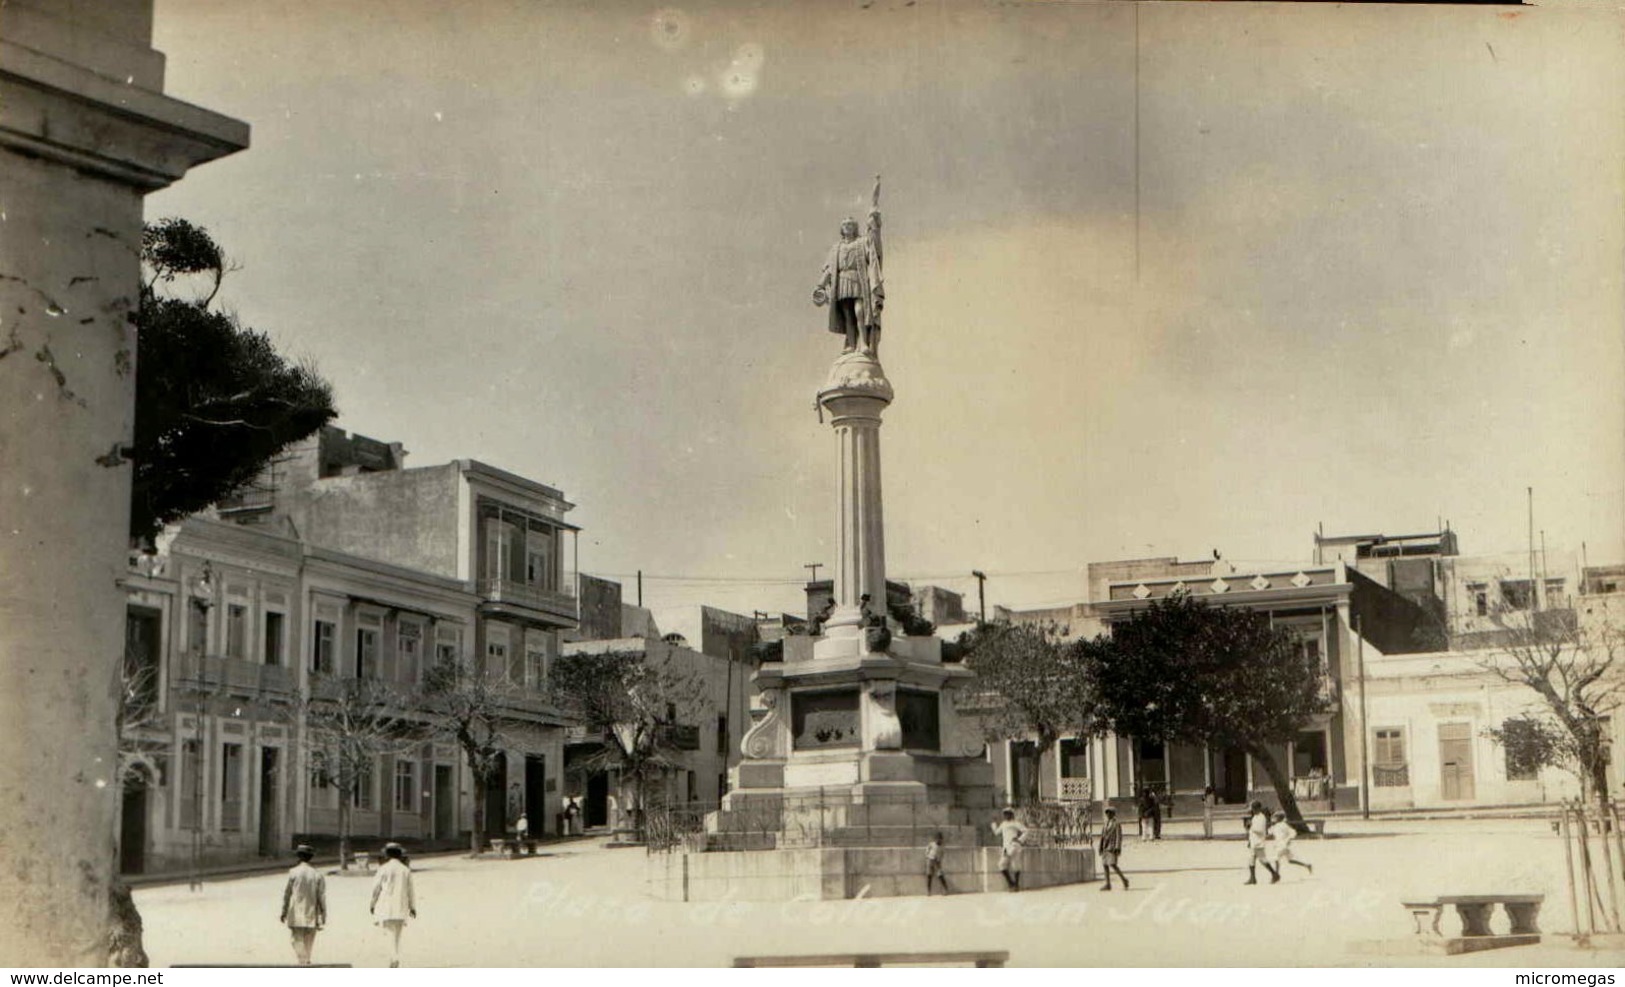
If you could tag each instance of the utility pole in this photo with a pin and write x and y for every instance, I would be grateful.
(981, 592)
(1365, 729)
(640, 589)
(814, 566)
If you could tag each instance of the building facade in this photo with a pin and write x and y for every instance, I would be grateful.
(340, 566)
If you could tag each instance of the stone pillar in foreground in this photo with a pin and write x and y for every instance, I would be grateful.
(85, 133)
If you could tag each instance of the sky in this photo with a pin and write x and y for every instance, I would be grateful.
(1161, 279)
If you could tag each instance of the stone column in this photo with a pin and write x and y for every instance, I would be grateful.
(855, 395)
(85, 133)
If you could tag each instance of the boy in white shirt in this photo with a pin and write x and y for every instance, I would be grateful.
(1281, 836)
(1011, 835)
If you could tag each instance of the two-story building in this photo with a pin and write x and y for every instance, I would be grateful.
(340, 563)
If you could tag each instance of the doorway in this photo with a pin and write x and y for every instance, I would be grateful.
(536, 792)
(596, 811)
(1455, 762)
(445, 803)
(270, 800)
(132, 843)
(1230, 775)
(496, 801)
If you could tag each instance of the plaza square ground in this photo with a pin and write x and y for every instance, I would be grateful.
(586, 905)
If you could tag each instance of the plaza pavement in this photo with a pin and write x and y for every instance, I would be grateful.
(585, 905)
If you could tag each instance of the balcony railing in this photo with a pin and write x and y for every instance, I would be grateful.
(559, 603)
(233, 675)
(1390, 775)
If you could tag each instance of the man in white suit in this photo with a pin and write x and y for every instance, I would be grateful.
(304, 903)
(392, 899)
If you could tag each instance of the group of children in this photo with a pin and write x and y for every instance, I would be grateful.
(1269, 841)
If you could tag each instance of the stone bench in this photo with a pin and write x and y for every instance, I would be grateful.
(1475, 910)
(979, 959)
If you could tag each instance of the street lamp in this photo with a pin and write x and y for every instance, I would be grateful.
(203, 599)
(981, 592)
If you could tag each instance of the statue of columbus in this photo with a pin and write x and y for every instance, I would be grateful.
(851, 283)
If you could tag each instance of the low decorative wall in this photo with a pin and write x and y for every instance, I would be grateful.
(851, 872)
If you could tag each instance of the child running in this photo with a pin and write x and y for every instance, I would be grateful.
(1281, 836)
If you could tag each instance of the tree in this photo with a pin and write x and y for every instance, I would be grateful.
(349, 725)
(1181, 670)
(469, 708)
(1571, 665)
(1027, 683)
(636, 701)
(214, 400)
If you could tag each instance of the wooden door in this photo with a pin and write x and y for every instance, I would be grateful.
(1455, 762)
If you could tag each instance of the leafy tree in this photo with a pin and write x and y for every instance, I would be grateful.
(634, 699)
(1532, 743)
(1571, 664)
(470, 709)
(215, 402)
(349, 725)
(1183, 671)
(1027, 684)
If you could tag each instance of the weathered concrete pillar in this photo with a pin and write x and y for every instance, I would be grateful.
(85, 133)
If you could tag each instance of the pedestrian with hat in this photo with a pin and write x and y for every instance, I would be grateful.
(393, 902)
(304, 903)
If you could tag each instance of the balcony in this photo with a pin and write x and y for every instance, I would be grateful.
(241, 678)
(502, 594)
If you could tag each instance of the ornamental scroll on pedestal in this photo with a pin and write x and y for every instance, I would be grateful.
(765, 739)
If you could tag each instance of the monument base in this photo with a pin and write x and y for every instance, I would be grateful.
(836, 873)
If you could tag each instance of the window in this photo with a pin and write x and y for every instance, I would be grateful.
(1388, 767)
(1311, 647)
(197, 629)
(496, 652)
(448, 644)
(539, 558)
(236, 631)
(191, 783)
(231, 786)
(321, 655)
(273, 638)
(1518, 594)
(362, 799)
(1481, 598)
(1519, 738)
(408, 651)
(1075, 758)
(1554, 593)
(366, 653)
(406, 785)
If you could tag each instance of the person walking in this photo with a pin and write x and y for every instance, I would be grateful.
(1150, 815)
(392, 899)
(1281, 836)
(304, 903)
(1111, 849)
(1258, 824)
(1011, 834)
(1210, 799)
(933, 866)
